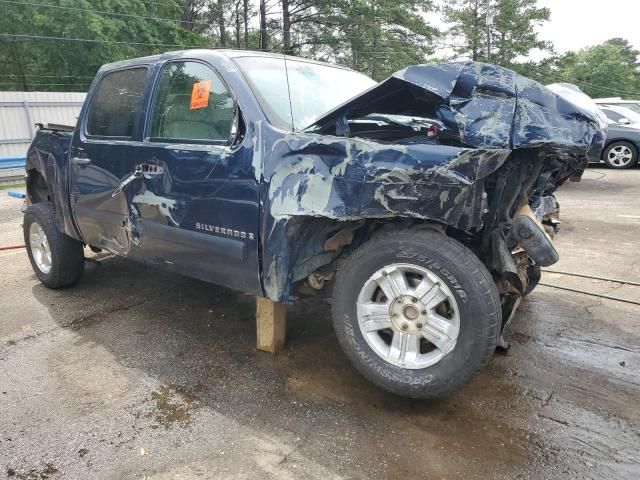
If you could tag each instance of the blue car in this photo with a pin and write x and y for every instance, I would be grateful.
(421, 205)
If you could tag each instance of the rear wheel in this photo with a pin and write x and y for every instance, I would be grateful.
(57, 259)
(620, 155)
(417, 313)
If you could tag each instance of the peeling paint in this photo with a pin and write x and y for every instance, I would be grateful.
(164, 204)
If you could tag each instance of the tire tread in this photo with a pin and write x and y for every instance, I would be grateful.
(486, 289)
(67, 254)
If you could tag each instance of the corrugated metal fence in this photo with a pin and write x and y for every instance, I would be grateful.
(20, 111)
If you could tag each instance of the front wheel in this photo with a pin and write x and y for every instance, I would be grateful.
(417, 313)
(620, 155)
(57, 259)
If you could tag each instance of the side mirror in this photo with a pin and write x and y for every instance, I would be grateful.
(624, 121)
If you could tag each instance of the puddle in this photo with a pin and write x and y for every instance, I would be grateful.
(172, 405)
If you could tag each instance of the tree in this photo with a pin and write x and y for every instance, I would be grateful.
(513, 32)
(468, 19)
(606, 70)
(191, 12)
(108, 31)
(377, 37)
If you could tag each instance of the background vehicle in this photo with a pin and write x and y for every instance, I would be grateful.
(244, 170)
(623, 137)
(633, 105)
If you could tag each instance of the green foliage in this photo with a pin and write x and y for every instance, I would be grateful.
(376, 37)
(513, 32)
(468, 27)
(48, 64)
(606, 70)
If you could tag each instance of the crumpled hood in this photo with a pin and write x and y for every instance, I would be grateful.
(489, 106)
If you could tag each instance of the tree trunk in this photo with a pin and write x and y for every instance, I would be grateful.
(186, 19)
(286, 27)
(374, 56)
(238, 24)
(246, 23)
(475, 48)
(223, 33)
(17, 54)
(263, 26)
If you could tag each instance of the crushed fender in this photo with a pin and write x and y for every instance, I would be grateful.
(509, 142)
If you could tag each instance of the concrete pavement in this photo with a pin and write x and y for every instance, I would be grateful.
(136, 373)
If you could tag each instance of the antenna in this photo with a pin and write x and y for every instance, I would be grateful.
(286, 72)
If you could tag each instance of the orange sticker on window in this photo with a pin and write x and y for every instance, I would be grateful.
(200, 95)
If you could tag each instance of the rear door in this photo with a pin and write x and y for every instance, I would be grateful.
(197, 209)
(103, 155)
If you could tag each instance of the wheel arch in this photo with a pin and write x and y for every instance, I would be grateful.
(37, 187)
(47, 180)
(310, 244)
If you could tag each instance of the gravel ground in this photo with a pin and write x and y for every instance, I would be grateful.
(137, 373)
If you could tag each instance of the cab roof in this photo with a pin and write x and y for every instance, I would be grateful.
(202, 52)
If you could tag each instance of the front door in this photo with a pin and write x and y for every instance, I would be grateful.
(102, 157)
(196, 210)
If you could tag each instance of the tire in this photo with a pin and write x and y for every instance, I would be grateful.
(627, 155)
(63, 254)
(470, 287)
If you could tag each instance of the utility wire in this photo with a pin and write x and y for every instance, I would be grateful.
(14, 75)
(103, 12)
(48, 84)
(71, 39)
(126, 15)
(67, 39)
(601, 87)
(330, 23)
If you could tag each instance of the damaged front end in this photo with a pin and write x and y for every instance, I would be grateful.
(503, 145)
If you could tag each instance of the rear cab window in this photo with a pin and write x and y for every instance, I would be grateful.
(191, 104)
(116, 104)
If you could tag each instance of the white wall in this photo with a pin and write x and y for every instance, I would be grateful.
(19, 111)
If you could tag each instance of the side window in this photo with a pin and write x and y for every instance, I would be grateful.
(191, 103)
(116, 104)
(611, 115)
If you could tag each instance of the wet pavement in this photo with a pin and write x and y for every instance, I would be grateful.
(137, 373)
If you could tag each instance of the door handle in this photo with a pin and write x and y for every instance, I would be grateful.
(81, 160)
(137, 173)
(150, 170)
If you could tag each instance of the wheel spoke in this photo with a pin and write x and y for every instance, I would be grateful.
(439, 331)
(423, 287)
(404, 348)
(393, 283)
(396, 311)
(375, 317)
(434, 297)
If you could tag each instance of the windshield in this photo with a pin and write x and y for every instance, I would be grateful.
(315, 89)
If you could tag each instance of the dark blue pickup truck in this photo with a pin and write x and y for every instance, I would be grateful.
(421, 205)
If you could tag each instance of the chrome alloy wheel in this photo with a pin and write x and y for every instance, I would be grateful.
(620, 156)
(408, 316)
(40, 250)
